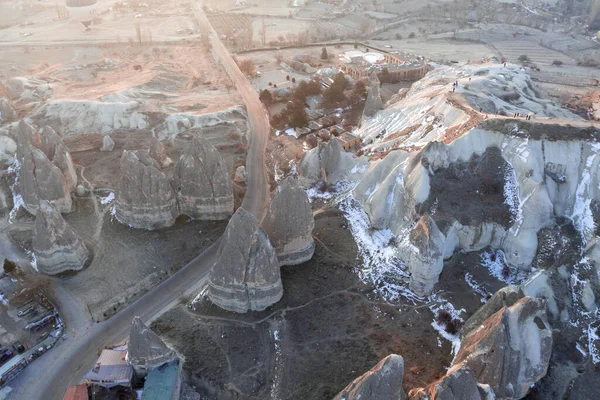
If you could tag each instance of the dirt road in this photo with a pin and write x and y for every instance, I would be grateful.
(49, 376)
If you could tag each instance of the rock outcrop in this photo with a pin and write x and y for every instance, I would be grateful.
(505, 297)
(330, 163)
(289, 223)
(423, 252)
(246, 274)
(373, 102)
(144, 197)
(384, 381)
(159, 153)
(204, 186)
(56, 151)
(7, 112)
(107, 143)
(458, 384)
(511, 349)
(8, 148)
(57, 247)
(40, 179)
(45, 169)
(146, 350)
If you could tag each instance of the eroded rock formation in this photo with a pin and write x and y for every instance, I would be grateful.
(56, 151)
(146, 350)
(289, 223)
(203, 182)
(373, 102)
(39, 179)
(330, 163)
(57, 247)
(460, 384)
(45, 170)
(383, 381)
(144, 197)
(246, 274)
(511, 349)
(7, 112)
(423, 251)
(107, 143)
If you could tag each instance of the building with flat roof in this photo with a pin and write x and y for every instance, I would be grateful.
(348, 140)
(111, 370)
(163, 383)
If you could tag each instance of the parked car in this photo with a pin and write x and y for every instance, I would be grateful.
(6, 355)
(25, 311)
(18, 346)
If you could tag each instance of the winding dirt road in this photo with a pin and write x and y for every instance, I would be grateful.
(48, 377)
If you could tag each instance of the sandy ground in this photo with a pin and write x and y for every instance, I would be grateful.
(328, 328)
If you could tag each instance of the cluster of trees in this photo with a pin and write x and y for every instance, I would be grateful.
(247, 67)
(294, 114)
(337, 95)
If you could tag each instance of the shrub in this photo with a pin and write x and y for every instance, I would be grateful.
(411, 35)
(557, 63)
(398, 36)
(524, 58)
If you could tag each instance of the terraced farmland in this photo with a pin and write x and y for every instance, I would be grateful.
(511, 50)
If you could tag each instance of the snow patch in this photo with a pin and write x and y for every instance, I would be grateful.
(107, 199)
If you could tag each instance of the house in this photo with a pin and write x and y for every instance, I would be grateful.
(348, 140)
(78, 392)
(163, 383)
(111, 370)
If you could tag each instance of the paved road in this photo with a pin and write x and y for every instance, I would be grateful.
(49, 376)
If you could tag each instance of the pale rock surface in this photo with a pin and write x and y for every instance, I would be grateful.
(373, 102)
(146, 350)
(107, 143)
(159, 153)
(246, 274)
(241, 175)
(56, 151)
(144, 197)
(511, 350)
(458, 384)
(392, 189)
(383, 381)
(57, 247)
(505, 297)
(204, 186)
(39, 179)
(8, 148)
(330, 163)
(7, 112)
(289, 223)
(422, 251)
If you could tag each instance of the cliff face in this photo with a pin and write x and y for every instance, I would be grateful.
(203, 182)
(492, 187)
(144, 197)
(246, 274)
(289, 223)
(57, 247)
